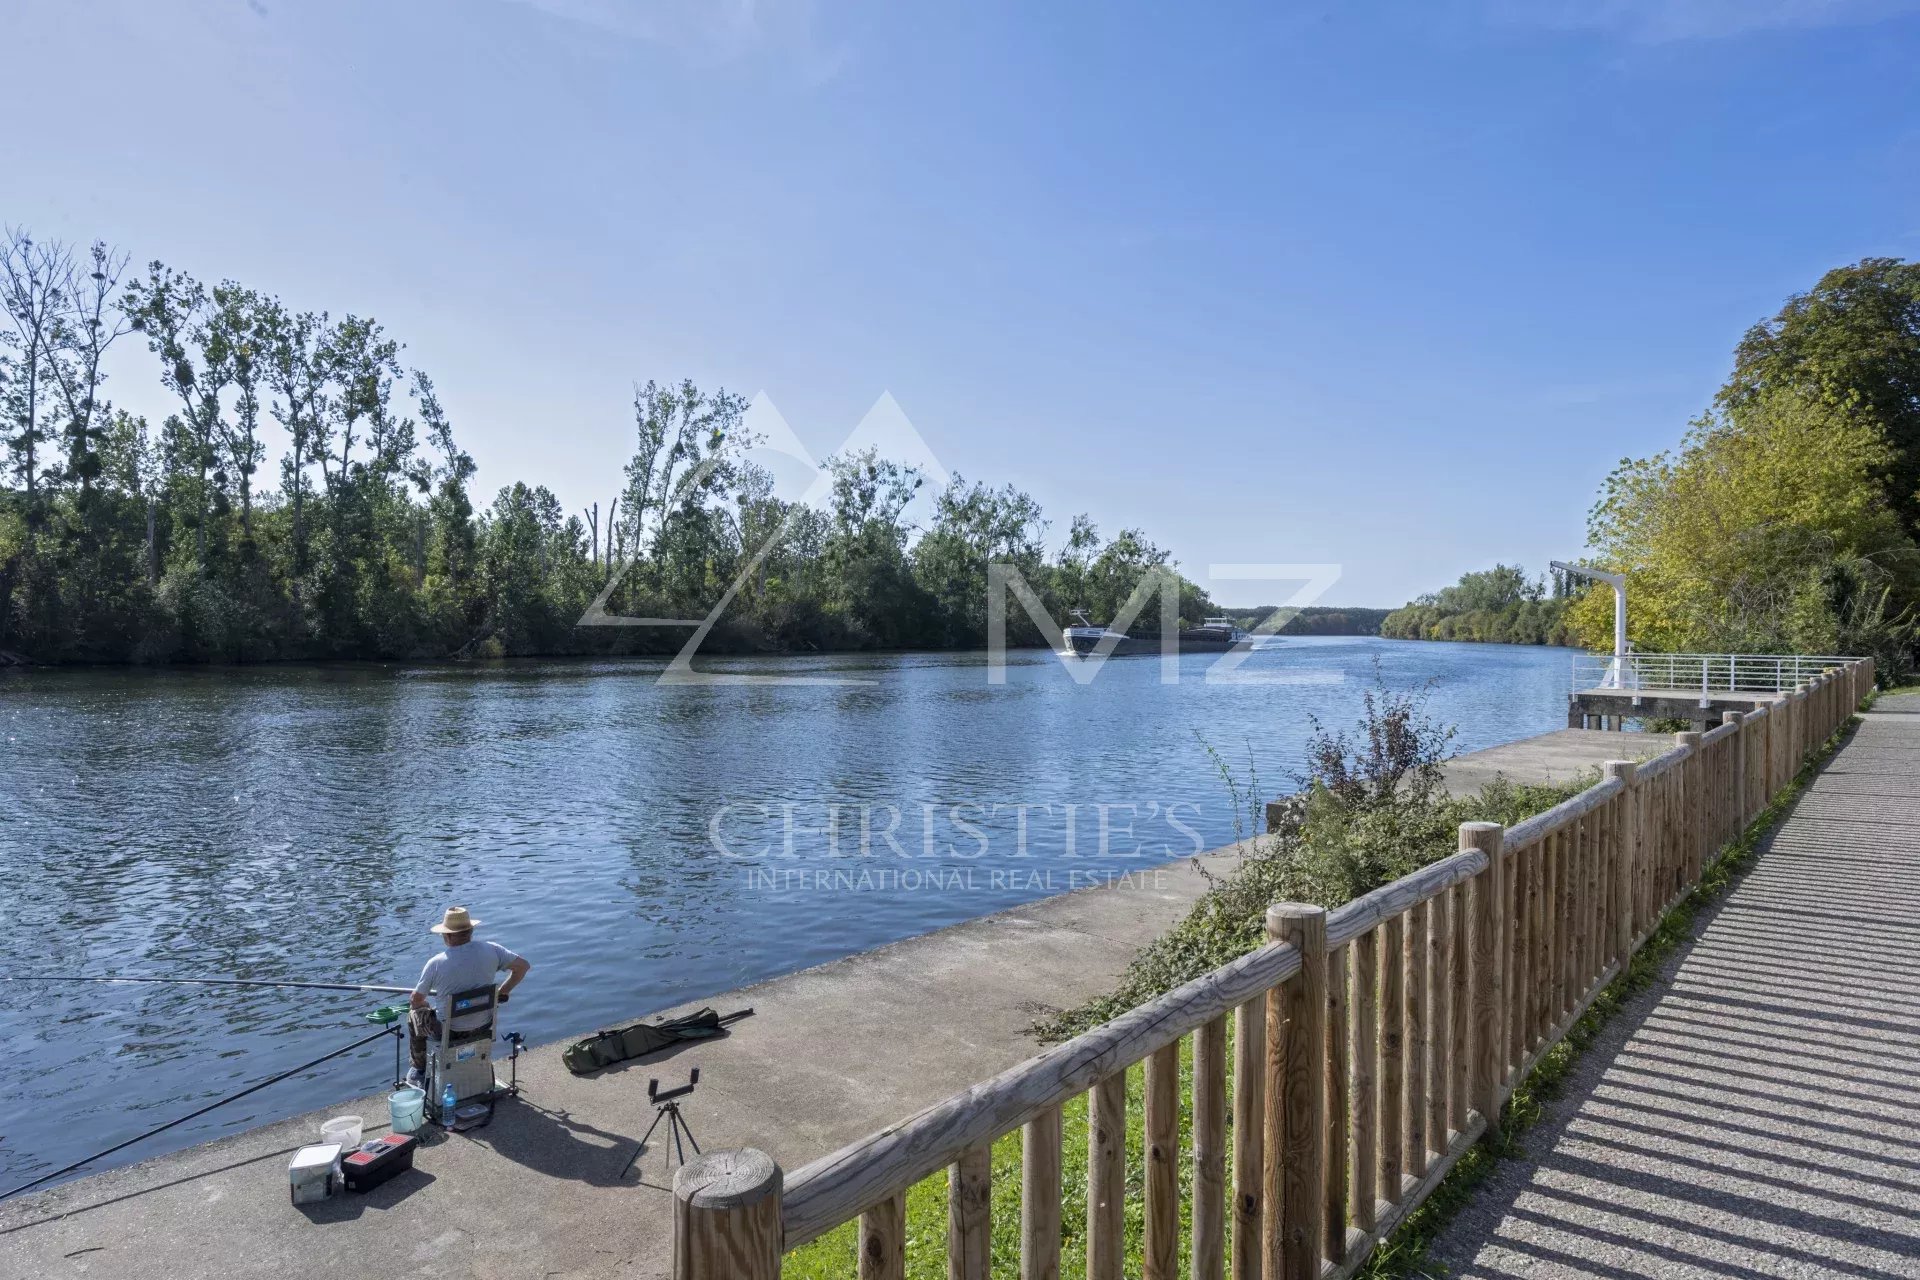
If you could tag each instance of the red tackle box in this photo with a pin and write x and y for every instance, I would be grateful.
(377, 1161)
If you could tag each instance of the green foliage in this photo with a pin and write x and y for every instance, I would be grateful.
(1501, 605)
(124, 542)
(1765, 533)
(1312, 620)
(1787, 519)
(1373, 810)
(1851, 342)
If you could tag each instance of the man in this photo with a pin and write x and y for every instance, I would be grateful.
(464, 965)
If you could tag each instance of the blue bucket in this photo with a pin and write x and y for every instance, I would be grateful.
(408, 1107)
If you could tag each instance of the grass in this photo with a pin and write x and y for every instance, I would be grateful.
(834, 1255)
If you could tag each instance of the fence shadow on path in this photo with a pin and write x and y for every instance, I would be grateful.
(1754, 1112)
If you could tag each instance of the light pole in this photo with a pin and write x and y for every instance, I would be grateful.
(1616, 677)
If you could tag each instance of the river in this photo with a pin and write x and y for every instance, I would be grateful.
(643, 843)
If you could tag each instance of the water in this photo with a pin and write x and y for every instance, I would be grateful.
(310, 822)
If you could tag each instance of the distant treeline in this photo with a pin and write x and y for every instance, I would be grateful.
(1318, 620)
(1501, 605)
(123, 540)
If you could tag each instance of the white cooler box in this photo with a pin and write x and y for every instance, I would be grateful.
(314, 1172)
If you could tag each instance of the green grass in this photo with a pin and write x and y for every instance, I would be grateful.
(834, 1255)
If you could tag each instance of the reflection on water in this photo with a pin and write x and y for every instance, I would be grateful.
(310, 822)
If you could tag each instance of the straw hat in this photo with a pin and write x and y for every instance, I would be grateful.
(457, 921)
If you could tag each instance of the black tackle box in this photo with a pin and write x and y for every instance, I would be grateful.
(377, 1161)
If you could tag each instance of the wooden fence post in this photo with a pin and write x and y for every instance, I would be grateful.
(1249, 1045)
(1160, 1256)
(1737, 783)
(726, 1217)
(1625, 852)
(1107, 1177)
(1365, 1016)
(1339, 1076)
(1484, 952)
(1798, 754)
(1040, 1196)
(1693, 818)
(1209, 1253)
(883, 1239)
(1296, 1095)
(970, 1215)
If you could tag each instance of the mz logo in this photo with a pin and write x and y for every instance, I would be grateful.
(1312, 581)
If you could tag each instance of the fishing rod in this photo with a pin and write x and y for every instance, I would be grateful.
(213, 982)
(232, 1097)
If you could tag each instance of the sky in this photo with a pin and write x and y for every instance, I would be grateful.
(1388, 284)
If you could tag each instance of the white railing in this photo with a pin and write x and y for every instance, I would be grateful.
(1702, 673)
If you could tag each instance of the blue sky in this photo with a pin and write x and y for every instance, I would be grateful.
(1386, 284)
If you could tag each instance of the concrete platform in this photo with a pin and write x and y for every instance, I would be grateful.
(830, 1054)
(1603, 708)
(1560, 756)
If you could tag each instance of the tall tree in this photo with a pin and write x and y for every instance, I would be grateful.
(299, 354)
(686, 443)
(235, 324)
(174, 312)
(89, 323)
(33, 280)
(1854, 338)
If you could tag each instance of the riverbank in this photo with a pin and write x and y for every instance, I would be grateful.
(831, 1053)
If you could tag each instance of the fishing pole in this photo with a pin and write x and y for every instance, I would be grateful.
(232, 1097)
(213, 982)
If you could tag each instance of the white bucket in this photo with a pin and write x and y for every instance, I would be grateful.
(344, 1130)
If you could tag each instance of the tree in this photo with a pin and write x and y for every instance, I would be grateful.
(234, 323)
(1851, 340)
(686, 445)
(33, 279)
(90, 322)
(175, 314)
(975, 526)
(299, 354)
(1731, 544)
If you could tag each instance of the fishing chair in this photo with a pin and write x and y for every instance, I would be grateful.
(464, 1058)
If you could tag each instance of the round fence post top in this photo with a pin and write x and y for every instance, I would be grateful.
(1485, 836)
(727, 1179)
(1281, 912)
(1621, 769)
(1730, 717)
(1687, 738)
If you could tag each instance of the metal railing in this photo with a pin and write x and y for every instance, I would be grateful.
(1704, 673)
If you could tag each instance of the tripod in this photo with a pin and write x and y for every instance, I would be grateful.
(666, 1106)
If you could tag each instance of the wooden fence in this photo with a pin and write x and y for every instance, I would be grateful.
(1372, 1045)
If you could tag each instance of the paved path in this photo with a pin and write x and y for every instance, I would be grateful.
(1758, 1113)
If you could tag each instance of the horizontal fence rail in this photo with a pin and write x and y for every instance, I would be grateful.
(1702, 673)
(1372, 1045)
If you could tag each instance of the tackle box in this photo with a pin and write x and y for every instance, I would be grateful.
(374, 1162)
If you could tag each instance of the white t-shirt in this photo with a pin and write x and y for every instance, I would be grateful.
(462, 968)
